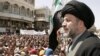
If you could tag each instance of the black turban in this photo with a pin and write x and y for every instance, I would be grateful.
(81, 11)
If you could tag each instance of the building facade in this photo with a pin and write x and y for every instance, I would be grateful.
(41, 21)
(16, 14)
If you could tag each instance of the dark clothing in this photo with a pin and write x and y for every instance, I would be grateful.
(87, 44)
(53, 43)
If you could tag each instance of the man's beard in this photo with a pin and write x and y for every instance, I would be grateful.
(64, 35)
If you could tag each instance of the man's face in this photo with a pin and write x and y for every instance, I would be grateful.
(70, 25)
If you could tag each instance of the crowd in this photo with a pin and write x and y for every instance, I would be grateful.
(23, 45)
(27, 45)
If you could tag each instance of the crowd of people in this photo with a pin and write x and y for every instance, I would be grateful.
(23, 45)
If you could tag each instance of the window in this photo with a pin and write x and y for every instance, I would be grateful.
(16, 9)
(40, 15)
(1, 6)
(6, 7)
(32, 14)
(22, 11)
(28, 12)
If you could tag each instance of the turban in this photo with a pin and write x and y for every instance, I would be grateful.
(81, 11)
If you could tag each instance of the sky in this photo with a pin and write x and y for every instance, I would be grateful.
(43, 3)
(93, 4)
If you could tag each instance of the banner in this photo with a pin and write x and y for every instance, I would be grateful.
(32, 32)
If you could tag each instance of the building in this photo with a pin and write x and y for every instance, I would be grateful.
(16, 14)
(41, 21)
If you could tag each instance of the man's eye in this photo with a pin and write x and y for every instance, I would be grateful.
(67, 20)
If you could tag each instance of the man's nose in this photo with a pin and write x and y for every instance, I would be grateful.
(63, 24)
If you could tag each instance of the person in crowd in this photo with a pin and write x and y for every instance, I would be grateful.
(1, 49)
(53, 43)
(55, 40)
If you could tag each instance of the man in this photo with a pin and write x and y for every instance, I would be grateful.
(77, 19)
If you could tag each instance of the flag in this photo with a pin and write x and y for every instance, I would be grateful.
(57, 4)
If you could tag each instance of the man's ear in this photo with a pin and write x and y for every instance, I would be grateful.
(81, 24)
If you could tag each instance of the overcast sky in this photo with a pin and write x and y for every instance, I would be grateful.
(93, 4)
